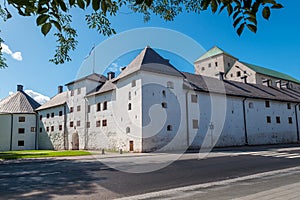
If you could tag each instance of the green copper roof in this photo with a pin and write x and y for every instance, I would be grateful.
(213, 52)
(270, 72)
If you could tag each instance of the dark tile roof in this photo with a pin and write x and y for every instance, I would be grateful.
(18, 102)
(208, 84)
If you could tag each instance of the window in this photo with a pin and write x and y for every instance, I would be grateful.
(128, 130)
(129, 95)
(89, 108)
(47, 128)
(32, 129)
(169, 128)
(78, 90)
(71, 109)
(41, 117)
(195, 124)
(238, 74)
(41, 130)
(60, 127)
(60, 113)
(228, 64)
(231, 75)
(268, 119)
(71, 123)
(278, 120)
(78, 108)
(104, 122)
(105, 105)
(21, 130)
(164, 105)
(88, 124)
(78, 123)
(216, 64)
(164, 93)
(133, 83)
(202, 68)
(72, 92)
(289, 106)
(52, 115)
(21, 143)
(209, 65)
(21, 119)
(48, 115)
(98, 107)
(52, 128)
(129, 106)
(170, 85)
(267, 104)
(251, 105)
(290, 120)
(194, 98)
(98, 123)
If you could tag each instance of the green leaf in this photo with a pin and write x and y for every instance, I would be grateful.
(253, 20)
(214, 6)
(96, 4)
(46, 28)
(229, 9)
(148, 2)
(240, 29)
(72, 2)
(56, 24)
(88, 2)
(103, 6)
(80, 3)
(277, 6)
(266, 13)
(42, 19)
(63, 6)
(252, 28)
(237, 21)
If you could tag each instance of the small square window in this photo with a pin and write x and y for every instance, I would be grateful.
(209, 65)
(52, 128)
(169, 128)
(129, 106)
(78, 123)
(48, 115)
(216, 64)
(72, 92)
(267, 104)
(290, 120)
(251, 105)
(52, 115)
(41, 117)
(21, 119)
(104, 122)
(98, 123)
(195, 124)
(164, 105)
(231, 75)
(164, 93)
(78, 108)
(78, 90)
(98, 107)
(71, 123)
(133, 83)
(105, 105)
(21, 143)
(268, 119)
(88, 124)
(202, 68)
(60, 113)
(194, 98)
(32, 129)
(41, 130)
(238, 74)
(89, 108)
(71, 109)
(278, 120)
(60, 127)
(21, 130)
(289, 106)
(47, 128)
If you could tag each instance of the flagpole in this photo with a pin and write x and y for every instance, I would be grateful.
(94, 59)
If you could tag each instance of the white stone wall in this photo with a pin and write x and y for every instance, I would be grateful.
(5, 132)
(51, 139)
(261, 132)
(240, 67)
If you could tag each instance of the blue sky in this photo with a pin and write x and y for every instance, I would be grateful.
(276, 45)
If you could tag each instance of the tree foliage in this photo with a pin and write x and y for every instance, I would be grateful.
(54, 14)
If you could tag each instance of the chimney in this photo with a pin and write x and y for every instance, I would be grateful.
(59, 89)
(266, 82)
(110, 75)
(19, 88)
(221, 76)
(123, 68)
(245, 79)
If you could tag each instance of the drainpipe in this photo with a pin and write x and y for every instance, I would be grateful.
(36, 132)
(85, 126)
(245, 121)
(297, 125)
(11, 130)
(187, 119)
(65, 128)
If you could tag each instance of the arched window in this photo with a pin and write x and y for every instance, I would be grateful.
(128, 130)
(169, 128)
(105, 105)
(129, 106)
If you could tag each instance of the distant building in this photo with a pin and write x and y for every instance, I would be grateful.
(151, 105)
(216, 60)
(18, 121)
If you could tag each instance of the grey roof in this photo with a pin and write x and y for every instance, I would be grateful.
(208, 84)
(93, 77)
(149, 60)
(106, 87)
(19, 102)
(58, 100)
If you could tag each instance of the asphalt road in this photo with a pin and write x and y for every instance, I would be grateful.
(91, 179)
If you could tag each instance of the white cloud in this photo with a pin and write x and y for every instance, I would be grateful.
(15, 55)
(114, 67)
(41, 99)
(10, 93)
